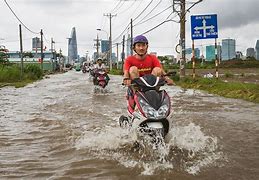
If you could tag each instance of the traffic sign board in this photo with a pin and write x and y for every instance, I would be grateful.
(204, 26)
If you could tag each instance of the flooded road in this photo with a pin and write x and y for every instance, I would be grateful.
(57, 128)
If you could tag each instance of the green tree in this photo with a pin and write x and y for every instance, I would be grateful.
(3, 55)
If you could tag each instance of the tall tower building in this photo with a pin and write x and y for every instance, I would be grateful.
(257, 50)
(72, 47)
(228, 49)
(210, 52)
(36, 44)
(250, 52)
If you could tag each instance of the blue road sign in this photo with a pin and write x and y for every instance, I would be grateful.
(204, 26)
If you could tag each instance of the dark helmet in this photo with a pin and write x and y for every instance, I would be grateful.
(140, 39)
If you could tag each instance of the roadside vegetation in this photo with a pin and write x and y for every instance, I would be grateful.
(233, 82)
(246, 91)
(10, 75)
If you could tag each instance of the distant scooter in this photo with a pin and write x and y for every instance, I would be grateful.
(100, 79)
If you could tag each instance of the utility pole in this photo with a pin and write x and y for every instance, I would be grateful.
(52, 53)
(97, 46)
(181, 13)
(61, 61)
(123, 53)
(117, 44)
(182, 38)
(41, 48)
(131, 34)
(21, 48)
(110, 38)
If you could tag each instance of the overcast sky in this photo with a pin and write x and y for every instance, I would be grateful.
(237, 19)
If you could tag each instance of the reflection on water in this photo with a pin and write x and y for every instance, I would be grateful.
(58, 128)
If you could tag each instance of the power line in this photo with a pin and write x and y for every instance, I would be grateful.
(159, 25)
(116, 6)
(153, 16)
(150, 11)
(19, 19)
(143, 10)
(120, 5)
(167, 20)
(128, 8)
(122, 32)
(134, 19)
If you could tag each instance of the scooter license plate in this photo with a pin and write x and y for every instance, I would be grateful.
(155, 125)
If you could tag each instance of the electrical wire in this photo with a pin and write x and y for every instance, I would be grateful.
(149, 12)
(133, 20)
(119, 6)
(128, 8)
(167, 20)
(153, 16)
(122, 32)
(19, 19)
(143, 10)
(118, 3)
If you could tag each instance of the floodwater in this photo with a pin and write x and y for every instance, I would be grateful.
(57, 128)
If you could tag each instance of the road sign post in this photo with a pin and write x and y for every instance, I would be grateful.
(205, 27)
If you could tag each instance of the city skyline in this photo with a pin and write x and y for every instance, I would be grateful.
(88, 15)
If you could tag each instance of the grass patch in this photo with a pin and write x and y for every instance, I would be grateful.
(116, 72)
(10, 75)
(247, 91)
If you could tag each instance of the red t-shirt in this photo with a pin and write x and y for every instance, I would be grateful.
(145, 66)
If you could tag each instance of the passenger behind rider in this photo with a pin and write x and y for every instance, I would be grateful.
(97, 67)
(142, 63)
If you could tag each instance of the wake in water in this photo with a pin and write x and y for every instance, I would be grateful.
(187, 149)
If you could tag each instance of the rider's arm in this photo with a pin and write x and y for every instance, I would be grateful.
(168, 80)
(126, 79)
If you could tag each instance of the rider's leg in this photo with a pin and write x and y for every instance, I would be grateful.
(133, 71)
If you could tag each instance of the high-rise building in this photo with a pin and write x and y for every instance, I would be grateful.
(105, 46)
(250, 52)
(228, 49)
(72, 47)
(257, 50)
(197, 52)
(36, 44)
(210, 52)
(188, 53)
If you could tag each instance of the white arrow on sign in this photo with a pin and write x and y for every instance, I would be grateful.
(204, 27)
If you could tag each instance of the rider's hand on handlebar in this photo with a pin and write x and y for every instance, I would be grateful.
(169, 81)
(127, 81)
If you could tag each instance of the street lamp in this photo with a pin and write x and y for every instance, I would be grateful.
(103, 31)
(110, 50)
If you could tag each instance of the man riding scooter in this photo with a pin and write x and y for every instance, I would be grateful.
(140, 64)
(98, 67)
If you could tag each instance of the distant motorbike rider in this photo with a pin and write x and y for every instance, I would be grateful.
(99, 66)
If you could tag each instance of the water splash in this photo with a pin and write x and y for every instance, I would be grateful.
(188, 149)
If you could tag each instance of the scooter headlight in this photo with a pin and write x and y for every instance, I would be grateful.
(163, 110)
(151, 113)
